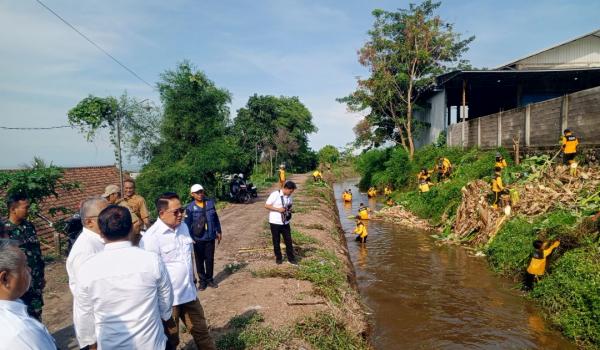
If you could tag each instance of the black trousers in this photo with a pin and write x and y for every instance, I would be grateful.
(285, 231)
(205, 259)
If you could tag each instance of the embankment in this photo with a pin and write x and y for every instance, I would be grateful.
(262, 305)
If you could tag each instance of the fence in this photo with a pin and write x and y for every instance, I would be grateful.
(537, 125)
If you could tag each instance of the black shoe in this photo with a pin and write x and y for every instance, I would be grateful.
(213, 284)
(202, 286)
(278, 262)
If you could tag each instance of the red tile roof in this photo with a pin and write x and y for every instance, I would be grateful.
(92, 181)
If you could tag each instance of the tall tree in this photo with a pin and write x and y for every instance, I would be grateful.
(406, 50)
(275, 127)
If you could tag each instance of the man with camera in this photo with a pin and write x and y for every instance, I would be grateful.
(279, 205)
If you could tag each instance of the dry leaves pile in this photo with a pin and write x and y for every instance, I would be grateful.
(399, 215)
(554, 187)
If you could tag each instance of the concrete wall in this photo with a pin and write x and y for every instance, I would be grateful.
(537, 125)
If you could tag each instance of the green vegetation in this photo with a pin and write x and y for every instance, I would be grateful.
(325, 332)
(328, 154)
(300, 238)
(249, 332)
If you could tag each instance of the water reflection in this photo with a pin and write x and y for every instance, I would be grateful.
(429, 296)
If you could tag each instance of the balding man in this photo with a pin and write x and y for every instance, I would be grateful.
(17, 329)
(88, 244)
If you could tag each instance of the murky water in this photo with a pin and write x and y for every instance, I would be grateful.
(422, 295)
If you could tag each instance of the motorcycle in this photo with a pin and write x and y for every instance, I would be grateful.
(242, 195)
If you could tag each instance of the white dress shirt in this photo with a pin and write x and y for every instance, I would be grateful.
(275, 200)
(175, 249)
(87, 245)
(19, 331)
(123, 293)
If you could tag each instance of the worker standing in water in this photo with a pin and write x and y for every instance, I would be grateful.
(424, 179)
(537, 265)
(363, 212)
(444, 168)
(347, 195)
(568, 146)
(372, 192)
(361, 231)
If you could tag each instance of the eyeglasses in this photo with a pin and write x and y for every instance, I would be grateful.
(178, 211)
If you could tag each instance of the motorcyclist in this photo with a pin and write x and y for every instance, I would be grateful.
(234, 186)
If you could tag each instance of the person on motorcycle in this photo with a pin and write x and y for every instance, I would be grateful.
(234, 186)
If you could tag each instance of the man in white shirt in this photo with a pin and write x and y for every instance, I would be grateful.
(279, 205)
(17, 329)
(170, 239)
(123, 292)
(88, 244)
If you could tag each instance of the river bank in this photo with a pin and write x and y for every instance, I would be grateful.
(258, 304)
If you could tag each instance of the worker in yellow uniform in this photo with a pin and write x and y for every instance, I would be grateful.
(387, 191)
(497, 185)
(317, 176)
(500, 161)
(281, 175)
(569, 146)
(424, 179)
(372, 192)
(537, 265)
(444, 168)
(347, 196)
(363, 212)
(361, 231)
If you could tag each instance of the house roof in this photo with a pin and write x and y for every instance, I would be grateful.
(595, 33)
(92, 181)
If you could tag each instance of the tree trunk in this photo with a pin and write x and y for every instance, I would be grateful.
(409, 136)
(271, 162)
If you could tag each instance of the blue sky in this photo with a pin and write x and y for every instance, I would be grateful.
(284, 47)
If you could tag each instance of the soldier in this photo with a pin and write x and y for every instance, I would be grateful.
(113, 196)
(20, 229)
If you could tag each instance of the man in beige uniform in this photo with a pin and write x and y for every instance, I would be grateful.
(113, 196)
(137, 204)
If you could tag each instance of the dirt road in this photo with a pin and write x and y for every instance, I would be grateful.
(245, 252)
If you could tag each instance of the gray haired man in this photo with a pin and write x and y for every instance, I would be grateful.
(17, 329)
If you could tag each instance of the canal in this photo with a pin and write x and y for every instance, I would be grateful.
(424, 295)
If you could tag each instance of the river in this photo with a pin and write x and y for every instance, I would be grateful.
(424, 295)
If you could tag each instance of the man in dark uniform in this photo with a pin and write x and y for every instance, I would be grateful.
(20, 229)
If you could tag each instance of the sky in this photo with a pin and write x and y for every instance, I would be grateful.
(266, 47)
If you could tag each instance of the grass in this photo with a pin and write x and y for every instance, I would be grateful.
(324, 332)
(300, 238)
(249, 332)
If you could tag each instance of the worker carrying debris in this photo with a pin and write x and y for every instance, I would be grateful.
(500, 161)
(317, 176)
(361, 231)
(497, 186)
(537, 265)
(363, 212)
(387, 191)
(347, 195)
(372, 192)
(444, 168)
(424, 179)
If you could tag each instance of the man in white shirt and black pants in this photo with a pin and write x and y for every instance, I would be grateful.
(279, 205)
(123, 292)
(170, 239)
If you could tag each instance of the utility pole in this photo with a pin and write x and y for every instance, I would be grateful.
(119, 154)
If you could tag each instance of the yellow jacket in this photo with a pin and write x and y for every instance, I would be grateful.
(347, 197)
(569, 143)
(281, 175)
(316, 173)
(372, 192)
(446, 165)
(537, 266)
(361, 230)
(501, 164)
(363, 213)
(387, 191)
(497, 185)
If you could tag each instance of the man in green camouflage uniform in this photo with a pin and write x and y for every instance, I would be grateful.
(19, 228)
